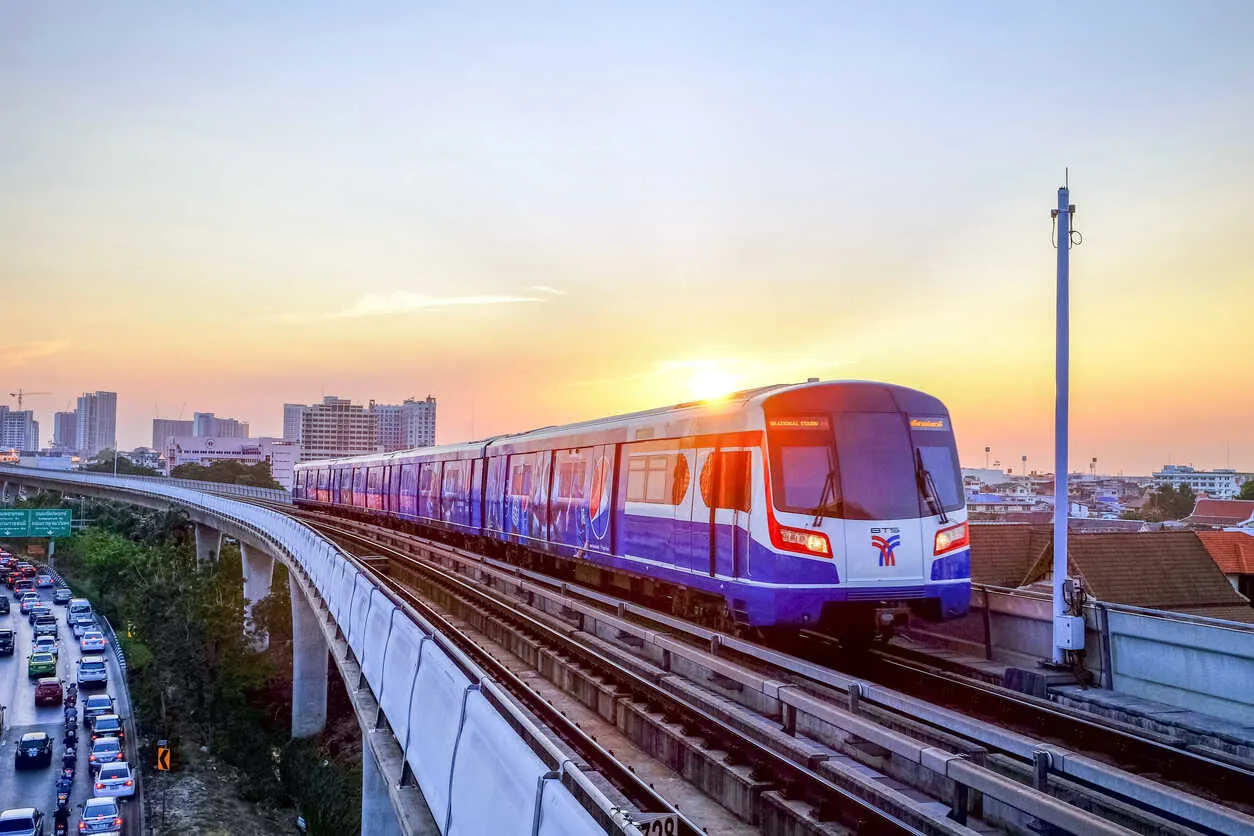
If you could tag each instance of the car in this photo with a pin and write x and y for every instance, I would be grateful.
(41, 664)
(105, 750)
(100, 815)
(92, 672)
(22, 821)
(80, 606)
(38, 610)
(28, 600)
(44, 581)
(108, 725)
(6, 642)
(4, 605)
(48, 691)
(93, 641)
(34, 750)
(94, 706)
(83, 623)
(62, 595)
(114, 780)
(22, 584)
(28, 571)
(46, 625)
(46, 644)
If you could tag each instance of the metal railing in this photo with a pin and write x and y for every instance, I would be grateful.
(270, 494)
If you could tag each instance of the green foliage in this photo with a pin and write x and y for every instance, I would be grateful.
(1247, 490)
(229, 472)
(40, 499)
(327, 793)
(193, 671)
(1166, 503)
(104, 464)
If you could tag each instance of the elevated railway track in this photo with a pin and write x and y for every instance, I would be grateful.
(938, 752)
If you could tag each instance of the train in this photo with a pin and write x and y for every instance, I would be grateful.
(832, 506)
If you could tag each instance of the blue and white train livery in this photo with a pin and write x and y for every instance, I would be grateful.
(834, 505)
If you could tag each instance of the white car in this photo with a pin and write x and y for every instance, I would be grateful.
(46, 644)
(92, 672)
(93, 641)
(115, 781)
(100, 815)
(83, 624)
(44, 581)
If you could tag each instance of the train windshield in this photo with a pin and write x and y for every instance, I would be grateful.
(864, 465)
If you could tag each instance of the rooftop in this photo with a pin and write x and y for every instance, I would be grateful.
(1167, 570)
(1232, 551)
(1221, 512)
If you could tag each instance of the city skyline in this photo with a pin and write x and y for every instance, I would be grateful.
(632, 208)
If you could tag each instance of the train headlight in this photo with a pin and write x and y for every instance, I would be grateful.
(955, 537)
(807, 542)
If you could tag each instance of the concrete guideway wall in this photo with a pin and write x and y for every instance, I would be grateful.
(458, 730)
(1193, 662)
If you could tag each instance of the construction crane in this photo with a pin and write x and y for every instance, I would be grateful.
(21, 393)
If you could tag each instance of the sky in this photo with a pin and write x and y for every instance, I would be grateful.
(546, 212)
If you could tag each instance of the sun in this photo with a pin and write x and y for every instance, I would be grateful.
(711, 383)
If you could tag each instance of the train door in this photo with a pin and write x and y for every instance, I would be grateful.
(720, 512)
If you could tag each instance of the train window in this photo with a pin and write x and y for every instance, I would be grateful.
(725, 479)
(346, 483)
(659, 479)
(520, 480)
(452, 479)
(570, 474)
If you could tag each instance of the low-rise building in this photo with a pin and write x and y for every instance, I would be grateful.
(1221, 513)
(281, 454)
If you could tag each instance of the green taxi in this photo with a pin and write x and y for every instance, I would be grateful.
(41, 664)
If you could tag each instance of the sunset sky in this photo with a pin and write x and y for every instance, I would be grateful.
(547, 212)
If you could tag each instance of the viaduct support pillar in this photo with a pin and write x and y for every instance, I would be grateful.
(309, 667)
(208, 543)
(258, 570)
(378, 816)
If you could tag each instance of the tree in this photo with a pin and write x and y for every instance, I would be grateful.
(125, 467)
(229, 471)
(1247, 490)
(1168, 503)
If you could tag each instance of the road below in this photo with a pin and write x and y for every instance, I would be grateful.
(37, 787)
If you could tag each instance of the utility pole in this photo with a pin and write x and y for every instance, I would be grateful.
(1068, 629)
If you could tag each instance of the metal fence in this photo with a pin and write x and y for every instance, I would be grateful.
(269, 494)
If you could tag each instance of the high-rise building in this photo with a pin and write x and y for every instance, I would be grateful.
(18, 430)
(65, 431)
(418, 422)
(292, 413)
(388, 426)
(163, 428)
(337, 427)
(206, 425)
(97, 422)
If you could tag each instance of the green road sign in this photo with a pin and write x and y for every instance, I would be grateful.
(14, 523)
(49, 522)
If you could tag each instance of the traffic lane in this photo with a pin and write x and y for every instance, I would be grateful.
(30, 787)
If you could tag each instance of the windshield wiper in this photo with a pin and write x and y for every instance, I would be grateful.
(829, 490)
(927, 487)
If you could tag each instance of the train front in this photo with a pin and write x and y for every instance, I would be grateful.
(865, 478)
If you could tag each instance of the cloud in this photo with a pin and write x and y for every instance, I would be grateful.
(19, 354)
(544, 288)
(404, 302)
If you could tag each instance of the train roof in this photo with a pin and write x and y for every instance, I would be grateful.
(698, 416)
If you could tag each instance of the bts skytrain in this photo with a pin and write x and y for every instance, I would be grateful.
(823, 505)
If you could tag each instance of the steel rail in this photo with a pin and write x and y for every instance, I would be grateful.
(831, 800)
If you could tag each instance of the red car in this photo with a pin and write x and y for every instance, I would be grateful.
(48, 691)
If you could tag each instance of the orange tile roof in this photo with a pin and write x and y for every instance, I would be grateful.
(1232, 551)
(1001, 554)
(1221, 511)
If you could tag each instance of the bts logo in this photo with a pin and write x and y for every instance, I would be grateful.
(886, 545)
